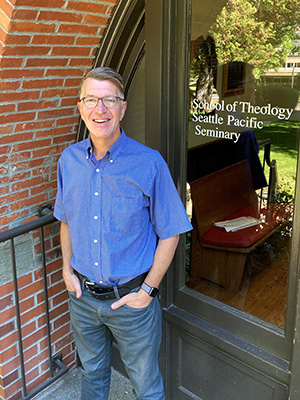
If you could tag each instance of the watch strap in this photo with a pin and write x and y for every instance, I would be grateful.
(152, 291)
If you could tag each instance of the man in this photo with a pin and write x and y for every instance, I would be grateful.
(120, 219)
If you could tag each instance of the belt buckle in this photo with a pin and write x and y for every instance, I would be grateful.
(97, 290)
(90, 287)
(89, 283)
(99, 296)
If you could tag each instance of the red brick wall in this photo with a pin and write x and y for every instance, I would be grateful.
(46, 47)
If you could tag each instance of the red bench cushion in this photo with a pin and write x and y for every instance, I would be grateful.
(273, 216)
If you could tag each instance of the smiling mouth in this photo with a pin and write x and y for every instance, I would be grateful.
(100, 121)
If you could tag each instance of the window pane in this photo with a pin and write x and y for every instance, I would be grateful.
(242, 152)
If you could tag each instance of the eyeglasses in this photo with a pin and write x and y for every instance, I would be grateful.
(107, 101)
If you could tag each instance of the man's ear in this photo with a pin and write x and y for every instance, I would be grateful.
(79, 105)
(124, 106)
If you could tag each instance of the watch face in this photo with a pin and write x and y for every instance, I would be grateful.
(153, 292)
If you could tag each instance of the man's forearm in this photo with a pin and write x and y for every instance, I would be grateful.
(71, 280)
(162, 259)
(66, 245)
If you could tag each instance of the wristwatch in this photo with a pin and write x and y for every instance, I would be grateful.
(152, 291)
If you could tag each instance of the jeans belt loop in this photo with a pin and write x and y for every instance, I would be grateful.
(116, 292)
(83, 281)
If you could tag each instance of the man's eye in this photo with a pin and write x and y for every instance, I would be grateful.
(91, 101)
(109, 100)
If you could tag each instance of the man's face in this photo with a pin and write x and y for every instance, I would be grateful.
(102, 123)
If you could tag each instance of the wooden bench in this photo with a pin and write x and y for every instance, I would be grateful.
(217, 255)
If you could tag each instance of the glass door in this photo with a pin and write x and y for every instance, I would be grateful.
(243, 135)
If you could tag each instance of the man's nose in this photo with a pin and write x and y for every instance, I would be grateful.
(100, 106)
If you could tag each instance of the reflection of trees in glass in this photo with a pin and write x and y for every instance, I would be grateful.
(257, 32)
(203, 68)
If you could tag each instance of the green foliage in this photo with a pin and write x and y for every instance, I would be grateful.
(259, 33)
(284, 192)
(277, 95)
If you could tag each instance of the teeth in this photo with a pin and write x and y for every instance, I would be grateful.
(100, 120)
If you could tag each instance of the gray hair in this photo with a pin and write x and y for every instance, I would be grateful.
(105, 74)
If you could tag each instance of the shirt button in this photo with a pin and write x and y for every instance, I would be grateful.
(96, 217)
(96, 193)
(111, 161)
(97, 170)
(96, 264)
(101, 282)
(95, 241)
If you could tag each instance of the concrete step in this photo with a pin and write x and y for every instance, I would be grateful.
(68, 387)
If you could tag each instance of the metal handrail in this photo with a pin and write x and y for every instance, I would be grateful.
(56, 361)
(266, 143)
(24, 228)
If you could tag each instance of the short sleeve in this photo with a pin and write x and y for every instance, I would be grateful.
(59, 211)
(168, 215)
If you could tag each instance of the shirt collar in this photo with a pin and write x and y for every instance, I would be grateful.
(89, 148)
(113, 151)
(118, 146)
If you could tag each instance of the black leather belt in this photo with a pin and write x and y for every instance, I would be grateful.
(110, 292)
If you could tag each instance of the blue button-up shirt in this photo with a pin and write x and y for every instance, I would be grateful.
(116, 208)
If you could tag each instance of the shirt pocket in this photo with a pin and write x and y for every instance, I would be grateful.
(126, 214)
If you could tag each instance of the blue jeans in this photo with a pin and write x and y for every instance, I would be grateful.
(138, 335)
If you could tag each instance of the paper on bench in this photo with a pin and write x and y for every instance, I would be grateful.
(237, 223)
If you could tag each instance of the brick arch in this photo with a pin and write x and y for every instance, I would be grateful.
(46, 48)
(123, 45)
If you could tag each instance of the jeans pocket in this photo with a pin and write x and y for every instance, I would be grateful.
(136, 309)
(139, 309)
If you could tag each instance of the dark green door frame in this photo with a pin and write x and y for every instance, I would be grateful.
(167, 62)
